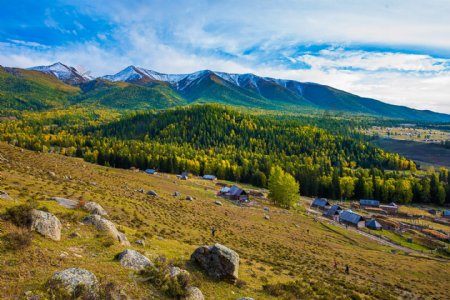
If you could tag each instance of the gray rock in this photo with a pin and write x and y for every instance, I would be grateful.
(4, 195)
(95, 208)
(141, 190)
(217, 202)
(176, 194)
(152, 193)
(175, 271)
(46, 224)
(132, 259)
(218, 261)
(107, 226)
(75, 279)
(189, 198)
(140, 242)
(51, 173)
(267, 217)
(194, 293)
(68, 203)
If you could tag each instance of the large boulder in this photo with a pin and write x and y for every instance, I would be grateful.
(95, 208)
(218, 261)
(107, 226)
(76, 282)
(194, 293)
(46, 224)
(132, 259)
(68, 203)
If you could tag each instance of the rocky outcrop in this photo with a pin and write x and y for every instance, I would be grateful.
(76, 281)
(46, 224)
(67, 203)
(95, 208)
(194, 293)
(218, 261)
(107, 226)
(132, 259)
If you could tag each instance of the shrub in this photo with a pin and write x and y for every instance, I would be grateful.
(20, 215)
(18, 240)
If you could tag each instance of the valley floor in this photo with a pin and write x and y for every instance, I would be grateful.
(291, 246)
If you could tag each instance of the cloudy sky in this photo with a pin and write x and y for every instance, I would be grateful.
(396, 51)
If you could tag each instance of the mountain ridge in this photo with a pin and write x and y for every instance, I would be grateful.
(140, 88)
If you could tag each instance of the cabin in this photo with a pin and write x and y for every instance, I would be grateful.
(151, 171)
(390, 209)
(320, 203)
(446, 214)
(333, 212)
(369, 203)
(373, 224)
(236, 193)
(209, 177)
(350, 218)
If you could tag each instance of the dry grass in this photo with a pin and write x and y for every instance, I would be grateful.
(291, 246)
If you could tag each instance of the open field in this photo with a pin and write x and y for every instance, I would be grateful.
(410, 134)
(431, 154)
(290, 246)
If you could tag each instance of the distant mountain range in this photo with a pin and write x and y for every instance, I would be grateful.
(139, 88)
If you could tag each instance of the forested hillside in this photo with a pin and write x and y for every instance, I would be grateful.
(211, 139)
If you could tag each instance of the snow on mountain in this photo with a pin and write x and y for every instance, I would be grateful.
(63, 73)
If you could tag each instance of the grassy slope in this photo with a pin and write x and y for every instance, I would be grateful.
(279, 250)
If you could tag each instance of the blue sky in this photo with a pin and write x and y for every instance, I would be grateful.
(396, 51)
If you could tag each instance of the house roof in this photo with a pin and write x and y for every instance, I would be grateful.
(350, 217)
(150, 171)
(369, 202)
(333, 210)
(373, 224)
(209, 177)
(225, 189)
(320, 202)
(446, 213)
(236, 191)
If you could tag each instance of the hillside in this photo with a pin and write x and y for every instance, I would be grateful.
(296, 251)
(32, 90)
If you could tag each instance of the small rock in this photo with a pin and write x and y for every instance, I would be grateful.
(95, 208)
(175, 271)
(267, 217)
(140, 242)
(67, 203)
(152, 193)
(74, 235)
(266, 208)
(51, 173)
(141, 190)
(4, 195)
(189, 198)
(176, 194)
(194, 293)
(217, 202)
(46, 224)
(245, 298)
(72, 279)
(132, 259)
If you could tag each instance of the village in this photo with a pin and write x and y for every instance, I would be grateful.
(423, 229)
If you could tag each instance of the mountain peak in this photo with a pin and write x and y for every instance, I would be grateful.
(63, 72)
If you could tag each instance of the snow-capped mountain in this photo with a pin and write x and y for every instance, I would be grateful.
(64, 73)
(135, 74)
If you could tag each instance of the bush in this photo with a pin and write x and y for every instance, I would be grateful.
(20, 215)
(18, 240)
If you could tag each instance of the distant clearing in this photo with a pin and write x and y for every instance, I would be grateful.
(421, 152)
